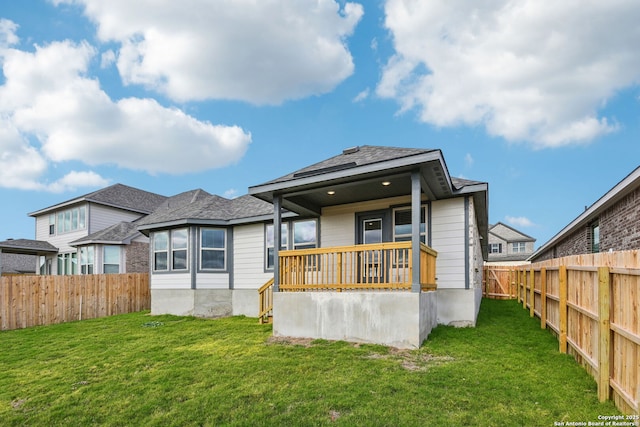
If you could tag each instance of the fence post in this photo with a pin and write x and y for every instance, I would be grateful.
(543, 298)
(532, 296)
(523, 278)
(604, 343)
(563, 308)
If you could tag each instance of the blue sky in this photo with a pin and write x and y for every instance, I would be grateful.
(540, 100)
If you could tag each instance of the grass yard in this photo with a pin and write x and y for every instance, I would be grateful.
(139, 370)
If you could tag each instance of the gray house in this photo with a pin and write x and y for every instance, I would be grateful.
(508, 245)
(365, 239)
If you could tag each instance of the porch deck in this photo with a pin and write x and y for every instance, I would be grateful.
(373, 267)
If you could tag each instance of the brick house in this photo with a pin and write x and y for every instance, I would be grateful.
(612, 223)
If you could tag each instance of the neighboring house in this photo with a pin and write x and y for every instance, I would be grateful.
(612, 223)
(22, 255)
(91, 234)
(508, 245)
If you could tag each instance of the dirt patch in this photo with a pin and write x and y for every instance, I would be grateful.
(301, 342)
(412, 360)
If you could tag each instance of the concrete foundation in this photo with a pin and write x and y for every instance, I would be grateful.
(458, 307)
(397, 319)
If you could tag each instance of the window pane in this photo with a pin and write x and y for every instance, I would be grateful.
(161, 241)
(60, 222)
(160, 261)
(67, 220)
(304, 233)
(74, 219)
(179, 239)
(212, 259)
(180, 260)
(270, 257)
(112, 254)
(111, 269)
(213, 238)
(81, 219)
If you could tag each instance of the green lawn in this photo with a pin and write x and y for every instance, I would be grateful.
(138, 369)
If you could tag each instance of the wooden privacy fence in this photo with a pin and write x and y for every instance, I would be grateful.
(27, 301)
(592, 303)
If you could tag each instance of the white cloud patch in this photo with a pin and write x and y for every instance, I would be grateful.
(51, 111)
(468, 160)
(263, 52)
(519, 221)
(525, 70)
(361, 96)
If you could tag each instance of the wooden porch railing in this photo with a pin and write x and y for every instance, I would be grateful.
(266, 302)
(383, 266)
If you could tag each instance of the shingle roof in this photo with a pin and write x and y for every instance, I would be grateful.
(17, 263)
(27, 246)
(200, 205)
(117, 233)
(117, 195)
(352, 157)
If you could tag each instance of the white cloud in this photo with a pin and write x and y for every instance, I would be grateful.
(526, 70)
(263, 52)
(51, 111)
(74, 180)
(519, 221)
(231, 193)
(361, 96)
(468, 159)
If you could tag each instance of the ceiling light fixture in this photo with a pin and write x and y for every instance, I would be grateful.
(386, 183)
(331, 192)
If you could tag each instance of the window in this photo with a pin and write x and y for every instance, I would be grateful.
(170, 250)
(304, 234)
(52, 224)
(402, 225)
(69, 220)
(86, 259)
(595, 237)
(111, 259)
(269, 242)
(297, 235)
(179, 240)
(519, 247)
(67, 264)
(213, 242)
(160, 251)
(495, 248)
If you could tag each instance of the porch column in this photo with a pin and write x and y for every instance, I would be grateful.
(277, 239)
(416, 192)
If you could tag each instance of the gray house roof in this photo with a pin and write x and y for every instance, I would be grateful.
(200, 207)
(27, 246)
(118, 196)
(516, 235)
(119, 234)
(17, 264)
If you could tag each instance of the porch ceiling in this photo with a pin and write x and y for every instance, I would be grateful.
(308, 193)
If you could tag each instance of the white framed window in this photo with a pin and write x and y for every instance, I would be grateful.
(213, 247)
(86, 259)
(68, 263)
(68, 220)
(111, 259)
(305, 235)
(179, 251)
(519, 247)
(495, 248)
(402, 224)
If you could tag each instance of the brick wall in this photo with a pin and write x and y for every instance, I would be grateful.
(138, 257)
(620, 224)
